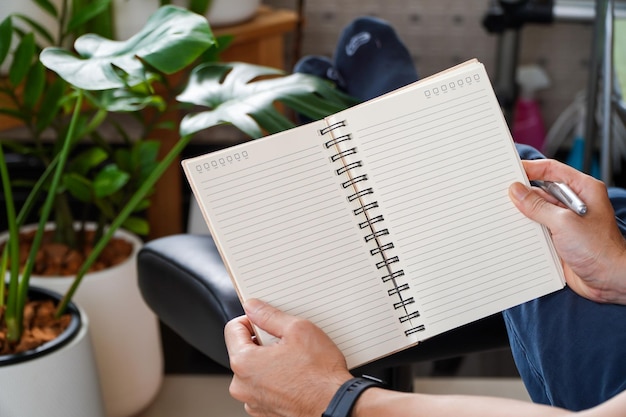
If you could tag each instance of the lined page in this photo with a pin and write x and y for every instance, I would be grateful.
(441, 160)
(279, 216)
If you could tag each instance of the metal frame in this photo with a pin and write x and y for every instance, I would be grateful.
(507, 17)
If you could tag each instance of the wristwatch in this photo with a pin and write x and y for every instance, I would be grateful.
(343, 401)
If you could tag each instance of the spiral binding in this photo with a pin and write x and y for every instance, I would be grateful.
(387, 263)
(343, 154)
(354, 180)
(359, 194)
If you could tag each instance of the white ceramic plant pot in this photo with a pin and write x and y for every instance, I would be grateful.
(124, 331)
(55, 383)
(131, 16)
(228, 12)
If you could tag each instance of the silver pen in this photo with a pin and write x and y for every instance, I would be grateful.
(564, 194)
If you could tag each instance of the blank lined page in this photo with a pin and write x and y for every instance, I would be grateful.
(440, 160)
(277, 211)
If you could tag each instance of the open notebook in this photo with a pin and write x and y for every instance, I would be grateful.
(384, 224)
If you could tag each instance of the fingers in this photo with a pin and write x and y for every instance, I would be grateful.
(543, 207)
(266, 317)
(239, 333)
(551, 170)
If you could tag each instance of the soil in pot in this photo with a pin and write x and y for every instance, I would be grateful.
(54, 259)
(40, 325)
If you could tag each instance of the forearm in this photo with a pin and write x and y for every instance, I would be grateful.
(378, 402)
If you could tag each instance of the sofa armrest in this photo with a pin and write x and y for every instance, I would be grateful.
(183, 280)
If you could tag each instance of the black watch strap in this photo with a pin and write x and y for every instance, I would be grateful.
(343, 401)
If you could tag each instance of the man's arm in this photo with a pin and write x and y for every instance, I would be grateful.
(377, 402)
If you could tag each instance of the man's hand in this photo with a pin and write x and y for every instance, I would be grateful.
(297, 376)
(591, 247)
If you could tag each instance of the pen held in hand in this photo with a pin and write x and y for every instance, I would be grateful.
(564, 194)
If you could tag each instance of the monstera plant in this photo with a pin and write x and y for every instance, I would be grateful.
(73, 93)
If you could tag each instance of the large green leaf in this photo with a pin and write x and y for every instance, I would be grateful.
(243, 95)
(171, 39)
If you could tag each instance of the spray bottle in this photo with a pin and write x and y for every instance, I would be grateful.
(528, 126)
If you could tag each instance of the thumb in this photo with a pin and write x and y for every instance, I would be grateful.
(531, 204)
(266, 317)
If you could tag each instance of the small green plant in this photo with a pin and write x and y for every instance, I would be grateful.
(73, 92)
